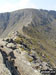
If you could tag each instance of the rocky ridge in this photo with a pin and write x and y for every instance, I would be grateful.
(15, 61)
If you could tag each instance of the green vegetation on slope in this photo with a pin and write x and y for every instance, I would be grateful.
(39, 45)
(42, 42)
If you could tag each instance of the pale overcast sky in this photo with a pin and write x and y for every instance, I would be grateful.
(11, 5)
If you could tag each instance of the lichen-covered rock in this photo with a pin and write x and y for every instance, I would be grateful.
(11, 45)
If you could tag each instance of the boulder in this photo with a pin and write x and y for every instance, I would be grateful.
(11, 45)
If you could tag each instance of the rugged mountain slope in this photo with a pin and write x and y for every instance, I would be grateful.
(17, 58)
(14, 60)
(39, 25)
(17, 19)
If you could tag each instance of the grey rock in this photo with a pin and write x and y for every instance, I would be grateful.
(3, 69)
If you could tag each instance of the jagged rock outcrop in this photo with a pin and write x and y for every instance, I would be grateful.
(24, 66)
(3, 69)
(16, 60)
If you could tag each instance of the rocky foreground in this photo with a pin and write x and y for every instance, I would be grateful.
(16, 61)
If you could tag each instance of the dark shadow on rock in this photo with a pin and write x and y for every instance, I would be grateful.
(10, 63)
(12, 55)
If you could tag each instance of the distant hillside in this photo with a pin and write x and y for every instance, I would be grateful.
(16, 20)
